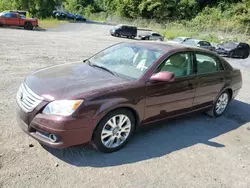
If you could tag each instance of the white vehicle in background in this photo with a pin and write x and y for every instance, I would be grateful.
(151, 36)
(180, 39)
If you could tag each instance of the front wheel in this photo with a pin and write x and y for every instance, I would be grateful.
(28, 26)
(114, 131)
(220, 105)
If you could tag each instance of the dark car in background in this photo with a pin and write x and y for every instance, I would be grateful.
(234, 49)
(80, 18)
(151, 36)
(61, 15)
(104, 99)
(199, 43)
(124, 30)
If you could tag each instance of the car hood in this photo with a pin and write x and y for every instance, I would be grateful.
(70, 81)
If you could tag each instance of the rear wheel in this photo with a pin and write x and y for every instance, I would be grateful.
(220, 105)
(245, 55)
(114, 131)
(28, 26)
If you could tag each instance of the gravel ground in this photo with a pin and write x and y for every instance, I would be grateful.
(192, 151)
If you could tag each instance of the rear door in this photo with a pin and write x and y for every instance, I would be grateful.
(124, 30)
(210, 79)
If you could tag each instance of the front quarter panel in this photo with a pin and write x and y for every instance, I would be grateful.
(98, 106)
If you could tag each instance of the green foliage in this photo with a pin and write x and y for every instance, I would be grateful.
(39, 8)
(170, 16)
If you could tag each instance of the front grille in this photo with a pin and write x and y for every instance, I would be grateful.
(27, 99)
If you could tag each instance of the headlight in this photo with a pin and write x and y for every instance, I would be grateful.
(62, 107)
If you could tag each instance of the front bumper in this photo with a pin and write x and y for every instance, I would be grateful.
(68, 129)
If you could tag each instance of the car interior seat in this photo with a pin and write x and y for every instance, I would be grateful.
(147, 61)
(206, 66)
(176, 64)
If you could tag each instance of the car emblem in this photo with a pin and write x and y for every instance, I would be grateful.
(21, 96)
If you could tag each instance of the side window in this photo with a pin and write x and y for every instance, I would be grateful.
(204, 43)
(7, 15)
(13, 15)
(180, 64)
(207, 64)
(155, 35)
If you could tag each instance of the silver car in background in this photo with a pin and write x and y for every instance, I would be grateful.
(151, 36)
(199, 43)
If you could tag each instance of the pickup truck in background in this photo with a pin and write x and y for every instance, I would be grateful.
(16, 19)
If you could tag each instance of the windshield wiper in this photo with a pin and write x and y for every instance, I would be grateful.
(103, 68)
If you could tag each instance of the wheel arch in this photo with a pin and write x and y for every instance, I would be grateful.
(230, 90)
(126, 107)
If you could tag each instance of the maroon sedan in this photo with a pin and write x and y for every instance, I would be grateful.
(107, 97)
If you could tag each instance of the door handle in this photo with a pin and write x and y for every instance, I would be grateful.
(221, 79)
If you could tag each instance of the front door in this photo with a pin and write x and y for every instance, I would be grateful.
(210, 79)
(11, 19)
(172, 98)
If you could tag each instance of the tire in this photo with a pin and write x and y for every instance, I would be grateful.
(245, 55)
(223, 100)
(28, 26)
(106, 138)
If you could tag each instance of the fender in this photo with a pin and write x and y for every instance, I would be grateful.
(114, 103)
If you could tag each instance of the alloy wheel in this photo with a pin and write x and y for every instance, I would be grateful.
(116, 131)
(221, 103)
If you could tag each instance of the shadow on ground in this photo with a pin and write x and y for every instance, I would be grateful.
(161, 139)
(21, 28)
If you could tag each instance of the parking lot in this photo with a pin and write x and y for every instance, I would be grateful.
(191, 151)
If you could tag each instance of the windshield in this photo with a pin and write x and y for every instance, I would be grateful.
(126, 60)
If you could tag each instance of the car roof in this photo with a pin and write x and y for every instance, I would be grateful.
(125, 25)
(169, 46)
(183, 37)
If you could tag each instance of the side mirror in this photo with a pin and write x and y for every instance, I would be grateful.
(163, 77)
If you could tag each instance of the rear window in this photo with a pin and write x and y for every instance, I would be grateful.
(204, 43)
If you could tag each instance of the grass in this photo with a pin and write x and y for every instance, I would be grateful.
(51, 23)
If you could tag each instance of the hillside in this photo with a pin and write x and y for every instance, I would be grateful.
(226, 16)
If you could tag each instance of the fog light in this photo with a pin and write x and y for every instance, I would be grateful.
(53, 138)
